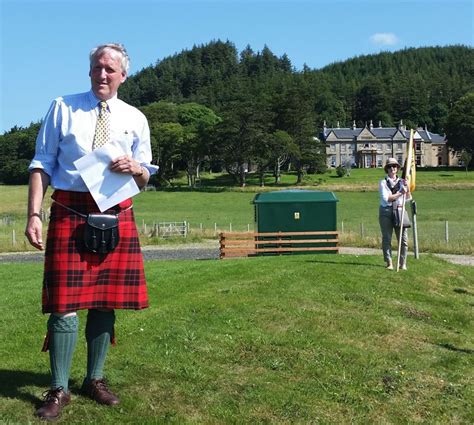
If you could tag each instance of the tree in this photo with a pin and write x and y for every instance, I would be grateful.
(17, 148)
(371, 99)
(460, 124)
(282, 148)
(198, 124)
(466, 158)
(295, 115)
(244, 126)
(166, 139)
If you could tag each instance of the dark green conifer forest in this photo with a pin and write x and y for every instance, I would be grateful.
(212, 106)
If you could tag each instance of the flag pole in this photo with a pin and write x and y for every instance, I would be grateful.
(400, 233)
(415, 230)
(406, 174)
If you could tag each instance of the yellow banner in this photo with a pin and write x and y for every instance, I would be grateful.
(409, 173)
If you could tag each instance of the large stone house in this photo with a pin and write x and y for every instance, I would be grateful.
(370, 146)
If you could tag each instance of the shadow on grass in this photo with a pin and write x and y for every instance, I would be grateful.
(347, 263)
(451, 347)
(13, 383)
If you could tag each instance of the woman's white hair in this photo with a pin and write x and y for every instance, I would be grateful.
(114, 49)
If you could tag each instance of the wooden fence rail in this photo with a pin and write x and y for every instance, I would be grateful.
(245, 244)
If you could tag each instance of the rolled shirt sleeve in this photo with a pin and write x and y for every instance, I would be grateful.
(47, 141)
(141, 147)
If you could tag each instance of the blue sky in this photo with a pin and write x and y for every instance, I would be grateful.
(45, 44)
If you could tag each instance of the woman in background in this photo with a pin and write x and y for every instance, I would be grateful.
(392, 189)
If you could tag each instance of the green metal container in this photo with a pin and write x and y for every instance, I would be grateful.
(296, 211)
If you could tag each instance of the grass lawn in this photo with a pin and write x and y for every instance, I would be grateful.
(294, 339)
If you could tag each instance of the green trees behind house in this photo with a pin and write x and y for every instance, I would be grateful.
(212, 106)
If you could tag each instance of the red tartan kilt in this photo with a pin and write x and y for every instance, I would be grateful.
(75, 278)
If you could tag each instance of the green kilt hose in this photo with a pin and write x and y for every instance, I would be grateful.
(75, 278)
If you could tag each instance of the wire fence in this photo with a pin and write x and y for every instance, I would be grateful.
(442, 236)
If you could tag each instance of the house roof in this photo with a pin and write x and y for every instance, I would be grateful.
(381, 133)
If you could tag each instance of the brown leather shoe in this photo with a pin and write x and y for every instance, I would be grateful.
(54, 400)
(97, 390)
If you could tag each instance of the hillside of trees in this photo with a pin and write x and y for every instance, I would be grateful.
(213, 107)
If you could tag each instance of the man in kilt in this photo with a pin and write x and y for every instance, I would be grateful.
(74, 277)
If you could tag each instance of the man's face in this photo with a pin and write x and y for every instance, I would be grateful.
(106, 76)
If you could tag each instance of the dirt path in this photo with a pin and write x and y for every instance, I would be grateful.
(210, 250)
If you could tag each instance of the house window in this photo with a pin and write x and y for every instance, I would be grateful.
(418, 160)
(400, 159)
(333, 160)
(388, 148)
(343, 147)
(418, 146)
(399, 146)
(379, 161)
(332, 147)
(379, 146)
(440, 160)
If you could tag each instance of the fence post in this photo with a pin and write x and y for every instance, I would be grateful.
(361, 230)
(13, 237)
(446, 231)
(342, 226)
(248, 228)
(215, 229)
(230, 227)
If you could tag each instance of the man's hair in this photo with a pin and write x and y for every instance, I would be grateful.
(114, 49)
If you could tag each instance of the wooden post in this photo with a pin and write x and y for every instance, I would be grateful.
(362, 230)
(415, 230)
(446, 231)
(399, 253)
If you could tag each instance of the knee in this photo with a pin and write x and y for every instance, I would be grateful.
(63, 322)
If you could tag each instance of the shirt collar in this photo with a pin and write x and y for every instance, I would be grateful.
(94, 100)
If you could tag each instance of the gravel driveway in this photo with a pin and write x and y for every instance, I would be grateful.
(209, 250)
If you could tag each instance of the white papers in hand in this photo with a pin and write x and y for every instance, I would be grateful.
(106, 187)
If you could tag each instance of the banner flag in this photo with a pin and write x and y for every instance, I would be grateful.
(409, 171)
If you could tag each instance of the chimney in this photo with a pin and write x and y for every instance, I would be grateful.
(324, 128)
(371, 125)
(337, 126)
(401, 126)
(380, 124)
(354, 125)
(427, 132)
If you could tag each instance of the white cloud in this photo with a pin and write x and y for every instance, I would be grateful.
(384, 38)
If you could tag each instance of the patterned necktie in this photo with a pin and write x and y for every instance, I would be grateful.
(102, 129)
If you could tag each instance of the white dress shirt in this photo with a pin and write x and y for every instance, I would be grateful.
(67, 134)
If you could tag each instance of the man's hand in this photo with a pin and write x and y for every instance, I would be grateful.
(126, 165)
(34, 231)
